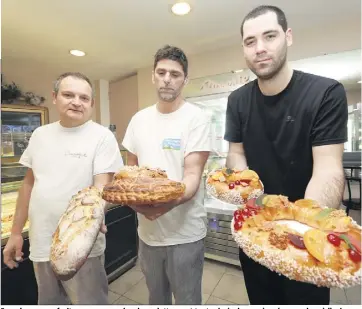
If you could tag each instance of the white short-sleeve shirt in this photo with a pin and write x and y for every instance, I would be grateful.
(64, 161)
(163, 141)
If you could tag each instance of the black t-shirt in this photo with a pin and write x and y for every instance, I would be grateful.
(278, 132)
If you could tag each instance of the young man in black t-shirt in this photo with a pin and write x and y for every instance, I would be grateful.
(290, 128)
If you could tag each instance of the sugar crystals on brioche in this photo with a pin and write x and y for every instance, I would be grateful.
(302, 240)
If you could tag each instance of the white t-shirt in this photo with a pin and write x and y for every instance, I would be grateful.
(163, 141)
(64, 161)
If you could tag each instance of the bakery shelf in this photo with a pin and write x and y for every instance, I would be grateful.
(8, 206)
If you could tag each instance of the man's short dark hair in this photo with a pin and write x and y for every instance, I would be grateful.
(263, 9)
(72, 74)
(172, 53)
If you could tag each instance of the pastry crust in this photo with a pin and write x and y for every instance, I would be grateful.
(77, 232)
(234, 186)
(142, 186)
(129, 171)
(265, 237)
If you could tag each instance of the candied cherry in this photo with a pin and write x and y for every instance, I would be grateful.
(238, 225)
(245, 213)
(231, 186)
(238, 215)
(334, 240)
(237, 212)
(237, 182)
(253, 212)
(354, 255)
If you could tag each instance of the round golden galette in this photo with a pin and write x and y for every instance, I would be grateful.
(301, 240)
(234, 186)
(135, 185)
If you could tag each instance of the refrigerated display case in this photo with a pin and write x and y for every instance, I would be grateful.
(219, 244)
(17, 124)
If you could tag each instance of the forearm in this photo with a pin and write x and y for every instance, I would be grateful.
(99, 182)
(327, 188)
(192, 184)
(22, 209)
(235, 160)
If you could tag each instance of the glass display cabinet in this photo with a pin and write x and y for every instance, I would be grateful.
(219, 244)
(18, 286)
(17, 124)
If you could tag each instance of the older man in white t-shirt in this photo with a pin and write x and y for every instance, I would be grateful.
(63, 158)
(175, 136)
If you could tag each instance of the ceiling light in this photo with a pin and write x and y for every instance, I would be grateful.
(237, 71)
(181, 8)
(77, 53)
(359, 82)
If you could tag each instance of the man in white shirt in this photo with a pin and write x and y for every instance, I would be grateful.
(62, 158)
(173, 135)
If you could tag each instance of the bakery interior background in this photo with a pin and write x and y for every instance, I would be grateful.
(119, 39)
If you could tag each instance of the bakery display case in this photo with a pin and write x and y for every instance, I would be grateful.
(9, 195)
(18, 286)
(17, 124)
(219, 244)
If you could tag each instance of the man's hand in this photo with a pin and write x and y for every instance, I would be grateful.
(152, 212)
(13, 251)
(103, 229)
(236, 156)
(161, 211)
(162, 208)
(171, 204)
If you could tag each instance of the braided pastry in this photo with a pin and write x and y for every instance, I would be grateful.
(142, 186)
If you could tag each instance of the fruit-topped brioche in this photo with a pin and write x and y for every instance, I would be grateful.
(234, 186)
(135, 185)
(301, 240)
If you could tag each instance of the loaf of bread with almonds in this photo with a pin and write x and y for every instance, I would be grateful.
(77, 232)
(135, 185)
